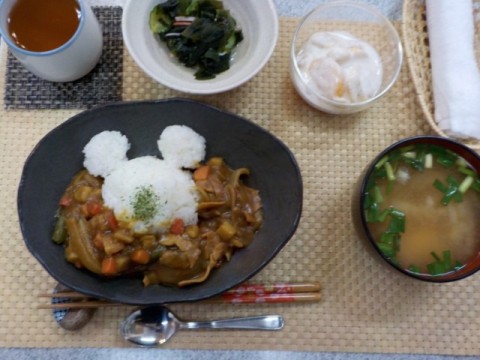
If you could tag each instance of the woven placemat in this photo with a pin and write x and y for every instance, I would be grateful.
(103, 84)
(364, 307)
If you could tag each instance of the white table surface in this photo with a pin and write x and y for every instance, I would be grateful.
(392, 9)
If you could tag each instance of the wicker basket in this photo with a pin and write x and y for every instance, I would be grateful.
(414, 28)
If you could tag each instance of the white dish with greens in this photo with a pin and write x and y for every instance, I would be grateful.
(163, 39)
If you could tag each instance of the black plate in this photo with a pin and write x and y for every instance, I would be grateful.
(58, 156)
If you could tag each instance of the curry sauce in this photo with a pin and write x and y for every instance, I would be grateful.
(229, 215)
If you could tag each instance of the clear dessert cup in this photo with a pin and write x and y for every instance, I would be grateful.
(362, 22)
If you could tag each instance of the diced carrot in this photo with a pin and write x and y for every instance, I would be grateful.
(140, 256)
(65, 201)
(177, 227)
(94, 208)
(112, 221)
(109, 266)
(201, 173)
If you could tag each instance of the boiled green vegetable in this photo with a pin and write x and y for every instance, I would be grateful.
(200, 33)
(59, 232)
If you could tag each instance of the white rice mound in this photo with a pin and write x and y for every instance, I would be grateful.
(170, 192)
(105, 152)
(181, 146)
(174, 189)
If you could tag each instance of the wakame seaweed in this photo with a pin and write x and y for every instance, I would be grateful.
(200, 33)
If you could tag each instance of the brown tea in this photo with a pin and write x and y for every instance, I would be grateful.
(44, 25)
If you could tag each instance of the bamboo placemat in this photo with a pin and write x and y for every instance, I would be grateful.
(364, 308)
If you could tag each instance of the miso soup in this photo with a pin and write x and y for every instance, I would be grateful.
(422, 206)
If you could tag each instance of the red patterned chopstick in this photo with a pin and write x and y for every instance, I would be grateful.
(278, 288)
(272, 293)
(265, 298)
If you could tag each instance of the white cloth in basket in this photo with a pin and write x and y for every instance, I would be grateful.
(455, 73)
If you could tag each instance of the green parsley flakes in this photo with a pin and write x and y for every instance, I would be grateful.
(145, 203)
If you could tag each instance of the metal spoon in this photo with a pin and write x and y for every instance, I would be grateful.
(155, 325)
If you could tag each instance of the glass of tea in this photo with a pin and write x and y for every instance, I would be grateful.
(57, 40)
(417, 206)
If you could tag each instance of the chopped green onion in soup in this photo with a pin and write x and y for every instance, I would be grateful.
(421, 204)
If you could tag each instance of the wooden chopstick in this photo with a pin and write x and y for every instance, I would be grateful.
(93, 304)
(243, 294)
(277, 288)
(66, 294)
(242, 299)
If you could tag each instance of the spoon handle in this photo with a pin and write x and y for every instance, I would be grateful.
(269, 322)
